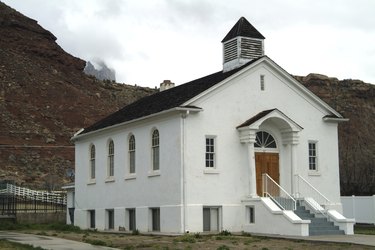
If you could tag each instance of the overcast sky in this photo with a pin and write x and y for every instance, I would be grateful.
(147, 41)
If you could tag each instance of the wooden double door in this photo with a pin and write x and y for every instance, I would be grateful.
(266, 163)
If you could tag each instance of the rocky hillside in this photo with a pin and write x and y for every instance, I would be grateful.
(355, 100)
(44, 99)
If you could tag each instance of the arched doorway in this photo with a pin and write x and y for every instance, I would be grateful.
(266, 158)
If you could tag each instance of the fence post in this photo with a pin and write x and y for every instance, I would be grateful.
(373, 209)
(353, 206)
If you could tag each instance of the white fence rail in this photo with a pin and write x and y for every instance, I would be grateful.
(53, 197)
(361, 208)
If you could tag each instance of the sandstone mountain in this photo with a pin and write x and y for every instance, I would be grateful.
(355, 100)
(45, 98)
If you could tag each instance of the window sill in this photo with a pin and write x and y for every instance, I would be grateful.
(130, 177)
(211, 171)
(91, 182)
(314, 173)
(110, 179)
(154, 173)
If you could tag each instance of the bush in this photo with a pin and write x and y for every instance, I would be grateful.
(63, 227)
(135, 232)
(185, 238)
(96, 242)
(223, 247)
(225, 233)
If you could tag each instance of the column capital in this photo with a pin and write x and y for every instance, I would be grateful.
(247, 135)
(290, 137)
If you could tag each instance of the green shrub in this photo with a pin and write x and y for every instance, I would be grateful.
(96, 242)
(225, 233)
(223, 247)
(185, 238)
(135, 232)
(63, 227)
(197, 236)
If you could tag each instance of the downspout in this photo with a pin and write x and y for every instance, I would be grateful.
(183, 179)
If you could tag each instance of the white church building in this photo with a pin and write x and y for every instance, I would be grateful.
(247, 148)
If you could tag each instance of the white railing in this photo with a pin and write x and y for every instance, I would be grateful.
(281, 197)
(53, 197)
(305, 189)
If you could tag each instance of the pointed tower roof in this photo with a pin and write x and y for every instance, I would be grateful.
(243, 28)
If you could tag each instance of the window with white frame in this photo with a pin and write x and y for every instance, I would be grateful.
(92, 162)
(313, 156)
(131, 154)
(111, 158)
(210, 152)
(155, 150)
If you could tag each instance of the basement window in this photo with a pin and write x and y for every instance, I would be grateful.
(251, 214)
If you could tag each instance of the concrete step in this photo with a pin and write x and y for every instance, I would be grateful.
(318, 226)
(326, 232)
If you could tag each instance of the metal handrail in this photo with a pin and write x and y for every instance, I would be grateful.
(281, 197)
(318, 197)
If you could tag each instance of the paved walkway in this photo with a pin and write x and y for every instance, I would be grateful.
(48, 242)
(361, 239)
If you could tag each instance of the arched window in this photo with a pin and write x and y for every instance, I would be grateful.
(264, 140)
(155, 150)
(111, 158)
(92, 162)
(132, 154)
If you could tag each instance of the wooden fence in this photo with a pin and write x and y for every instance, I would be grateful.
(14, 199)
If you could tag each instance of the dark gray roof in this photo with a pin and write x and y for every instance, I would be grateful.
(165, 100)
(243, 28)
(255, 118)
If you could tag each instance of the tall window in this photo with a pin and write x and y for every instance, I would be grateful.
(111, 158)
(155, 150)
(313, 158)
(132, 154)
(210, 152)
(92, 162)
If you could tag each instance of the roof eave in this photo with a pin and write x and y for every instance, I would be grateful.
(180, 108)
(335, 119)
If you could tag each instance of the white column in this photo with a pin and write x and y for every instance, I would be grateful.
(293, 164)
(248, 136)
(252, 173)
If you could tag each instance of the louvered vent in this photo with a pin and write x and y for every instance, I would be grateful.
(230, 50)
(251, 48)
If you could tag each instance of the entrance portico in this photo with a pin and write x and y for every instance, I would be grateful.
(287, 128)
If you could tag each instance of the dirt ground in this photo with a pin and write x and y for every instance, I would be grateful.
(194, 241)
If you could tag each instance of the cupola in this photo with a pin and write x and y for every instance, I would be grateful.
(242, 44)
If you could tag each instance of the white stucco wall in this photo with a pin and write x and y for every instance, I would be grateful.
(143, 190)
